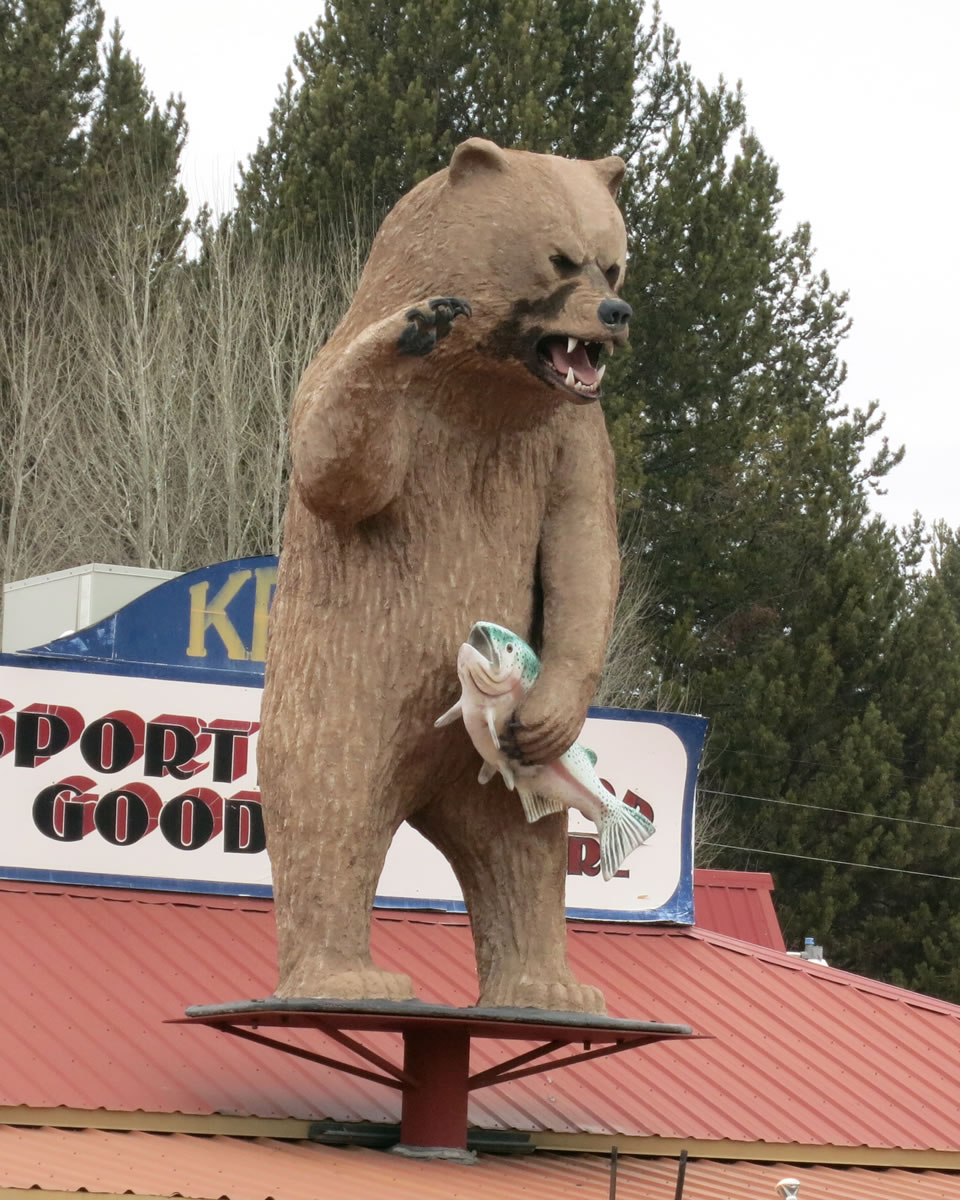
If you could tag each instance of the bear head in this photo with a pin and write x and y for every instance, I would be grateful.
(536, 244)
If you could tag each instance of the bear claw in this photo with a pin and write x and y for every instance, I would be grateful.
(426, 328)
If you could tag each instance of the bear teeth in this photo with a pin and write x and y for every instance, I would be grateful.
(571, 379)
(601, 371)
(572, 344)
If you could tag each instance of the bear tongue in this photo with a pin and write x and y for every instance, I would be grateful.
(584, 370)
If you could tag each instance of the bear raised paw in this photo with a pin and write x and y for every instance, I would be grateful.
(450, 464)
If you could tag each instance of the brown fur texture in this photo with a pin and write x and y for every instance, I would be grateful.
(432, 489)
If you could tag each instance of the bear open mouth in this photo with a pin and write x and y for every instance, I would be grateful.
(572, 363)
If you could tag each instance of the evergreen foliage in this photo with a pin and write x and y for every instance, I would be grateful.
(49, 75)
(799, 623)
(384, 91)
(133, 146)
(76, 131)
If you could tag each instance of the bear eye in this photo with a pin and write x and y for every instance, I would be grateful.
(564, 264)
(612, 274)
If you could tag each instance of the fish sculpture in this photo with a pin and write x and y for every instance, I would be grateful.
(496, 669)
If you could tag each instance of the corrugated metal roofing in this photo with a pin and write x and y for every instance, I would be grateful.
(739, 904)
(794, 1052)
(264, 1169)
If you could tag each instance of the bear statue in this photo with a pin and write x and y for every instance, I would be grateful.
(450, 463)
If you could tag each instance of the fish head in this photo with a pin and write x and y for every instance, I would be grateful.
(484, 681)
(505, 653)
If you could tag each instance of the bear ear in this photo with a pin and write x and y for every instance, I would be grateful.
(611, 171)
(476, 154)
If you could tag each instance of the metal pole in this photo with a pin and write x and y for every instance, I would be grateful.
(613, 1173)
(681, 1172)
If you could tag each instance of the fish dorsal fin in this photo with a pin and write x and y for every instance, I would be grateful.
(536, 805)
(591, 754)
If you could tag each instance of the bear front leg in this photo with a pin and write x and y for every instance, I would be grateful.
(357, 411)
(513, 876)
(580, 577)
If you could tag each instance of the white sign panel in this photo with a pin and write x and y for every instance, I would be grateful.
(129, 779)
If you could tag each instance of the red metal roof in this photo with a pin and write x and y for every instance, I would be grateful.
(795, 1052)
(739, 904)
(150, 1164)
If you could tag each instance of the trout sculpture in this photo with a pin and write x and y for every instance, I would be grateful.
(497, 669)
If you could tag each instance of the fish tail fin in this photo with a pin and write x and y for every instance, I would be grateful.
(536, 804)
(622, 830)
(450, 715)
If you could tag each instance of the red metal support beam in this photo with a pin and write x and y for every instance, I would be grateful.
(365, 1052)
(493, 1074)
(310, 1056)
(556, 1063)
(435, 1112)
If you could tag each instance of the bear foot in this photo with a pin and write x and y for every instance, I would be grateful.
(426, 328)
(365, 982)
(565, 995)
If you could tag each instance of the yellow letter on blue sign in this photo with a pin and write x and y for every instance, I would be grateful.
(204, 616)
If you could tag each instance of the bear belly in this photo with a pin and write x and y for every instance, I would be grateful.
(378, 613)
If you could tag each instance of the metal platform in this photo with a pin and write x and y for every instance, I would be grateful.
(434, 1079)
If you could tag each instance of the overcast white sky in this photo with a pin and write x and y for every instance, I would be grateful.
(858, 102)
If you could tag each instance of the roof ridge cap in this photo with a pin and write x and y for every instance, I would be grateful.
(863, 983)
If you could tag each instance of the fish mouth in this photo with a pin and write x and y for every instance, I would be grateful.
(481, 641)
(572, 364)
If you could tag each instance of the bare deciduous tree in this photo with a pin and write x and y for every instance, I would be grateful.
(144, 400)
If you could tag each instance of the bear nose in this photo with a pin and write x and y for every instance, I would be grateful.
(615, 313)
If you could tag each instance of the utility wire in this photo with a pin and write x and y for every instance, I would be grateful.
(840, 862)
(850, 812)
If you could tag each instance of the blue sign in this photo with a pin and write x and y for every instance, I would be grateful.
(209, 625)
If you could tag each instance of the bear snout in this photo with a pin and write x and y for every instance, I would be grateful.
(614, 314)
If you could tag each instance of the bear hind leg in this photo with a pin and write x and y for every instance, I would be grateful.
(513, 876)
(323, 902)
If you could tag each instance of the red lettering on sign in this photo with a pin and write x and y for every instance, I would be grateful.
(583, 856)
(128, 814)
(243, 831)
(190, 821)
(230, 748)
(43, 730)
(7, 729)
(113, 742)
(64, 811)
(636, 801)
(170, 746)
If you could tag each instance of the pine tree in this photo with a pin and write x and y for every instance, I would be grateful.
(74, 131)
(796, 622)
(129, 134)
(49, 73)
(386, 90)
(133, 152)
